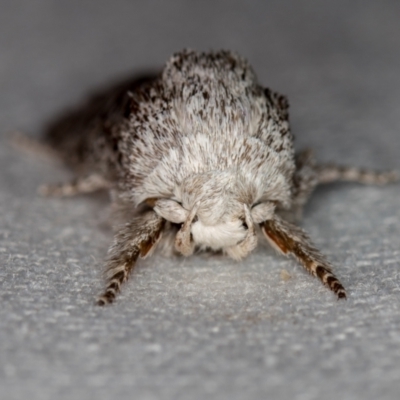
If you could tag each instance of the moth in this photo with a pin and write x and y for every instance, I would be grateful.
(199, 157)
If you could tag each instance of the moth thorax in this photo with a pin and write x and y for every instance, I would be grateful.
(215, 194)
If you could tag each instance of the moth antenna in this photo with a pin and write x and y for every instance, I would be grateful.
(289, 239)
(135, 239)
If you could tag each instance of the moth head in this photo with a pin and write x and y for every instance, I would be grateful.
(219, 223)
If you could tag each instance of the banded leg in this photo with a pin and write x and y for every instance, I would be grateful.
(308, 174)
(332, 173)
(33, 146)
(289, 239)
(87, 184)
(136, 239)
(305, 179)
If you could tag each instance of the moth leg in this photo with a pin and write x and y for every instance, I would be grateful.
(328, 173)
(308, 174)
(33, 146)
(135, 239)
(289, 239)
(86, 184)
(305, 179)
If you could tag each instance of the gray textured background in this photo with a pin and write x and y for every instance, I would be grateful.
(203, 327)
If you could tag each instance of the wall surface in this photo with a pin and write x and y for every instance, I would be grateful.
(202, 327)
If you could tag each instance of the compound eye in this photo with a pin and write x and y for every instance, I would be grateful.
(171, 211)
(244, 223)
(262, 212)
